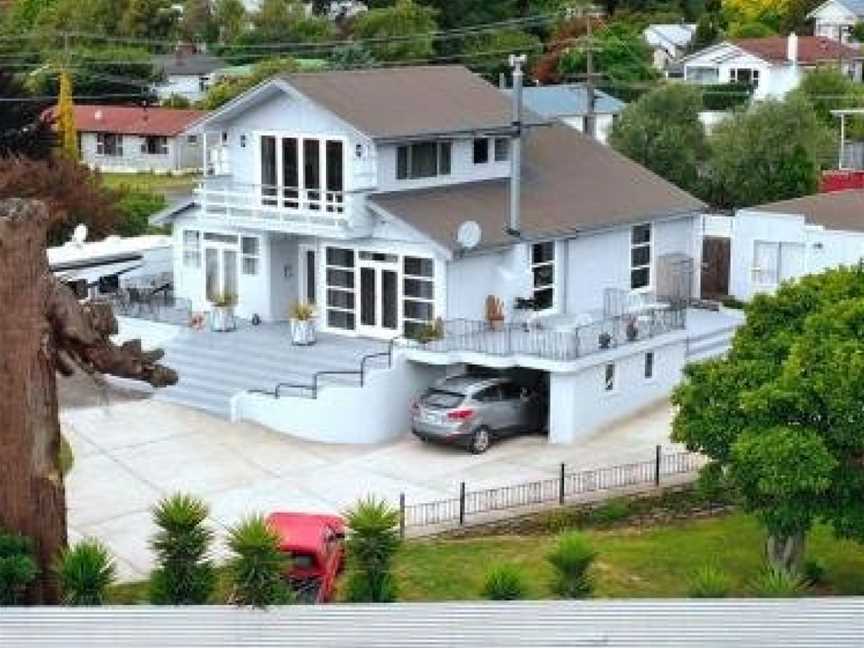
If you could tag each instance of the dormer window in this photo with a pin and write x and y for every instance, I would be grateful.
(423, 160)
(502, 149)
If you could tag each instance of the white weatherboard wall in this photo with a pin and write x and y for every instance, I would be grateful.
(822, 248)
(580, 405)
(603, 123)
(182, 156)
(377, 412)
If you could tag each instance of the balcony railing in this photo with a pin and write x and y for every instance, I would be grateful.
(290, 205)
(558, 344)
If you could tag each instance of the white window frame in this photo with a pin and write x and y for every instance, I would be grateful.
(610, 371)
(649, 265)
(192, 250)
(101, 142)
(253, 258)
(506, 146)
(325, 298)
(161, 147)
(439, 145)
(535, 265)
(419, 300)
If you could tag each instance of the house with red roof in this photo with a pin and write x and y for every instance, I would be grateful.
(132, 139)
(772, 66)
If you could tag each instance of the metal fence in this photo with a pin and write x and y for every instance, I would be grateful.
(558, 489)
(516, 338)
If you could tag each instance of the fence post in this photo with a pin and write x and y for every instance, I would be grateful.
(561, 485)
(402, 515)
(462, 504)
(657, 452)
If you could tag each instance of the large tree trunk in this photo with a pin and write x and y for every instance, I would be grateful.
(43, 329)
(786, 552)
(31, 485)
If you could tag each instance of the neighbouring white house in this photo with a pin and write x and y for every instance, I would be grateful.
(836, 18)
(388, 199)
(786, 240)
(773, 66)
(569, 105)
(668, 42)
(186, 73)
(132, 139)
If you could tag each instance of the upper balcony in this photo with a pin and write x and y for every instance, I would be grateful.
(286, 209)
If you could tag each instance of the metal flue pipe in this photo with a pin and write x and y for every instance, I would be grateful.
(515, 225)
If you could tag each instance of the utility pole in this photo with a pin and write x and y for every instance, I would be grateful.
(590, 117)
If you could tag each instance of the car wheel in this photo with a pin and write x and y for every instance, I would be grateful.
(481, 441)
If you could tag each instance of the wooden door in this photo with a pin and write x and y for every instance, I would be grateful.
(716, 252)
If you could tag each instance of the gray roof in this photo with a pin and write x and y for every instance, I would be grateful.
(570, 184)
(855, 6)
(392, 103)
(565, 100)
(188, 64)
(721, 623)
(838, 210)
(678, 34)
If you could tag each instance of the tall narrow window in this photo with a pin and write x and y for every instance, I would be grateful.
(335, 179)
(290, 172)
(419, 294)
(268, 169)
(502, 149)
(543, 269)
(191, 249)
(609, 378)
(312, 172)
(250, 246)
(649, 365)
(640, 257)
(340, 288)
(481, 150)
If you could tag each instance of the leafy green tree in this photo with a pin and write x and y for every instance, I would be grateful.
(24, 130)
(453, 14)
(770, 152)
(231, 87)
(709, 27)
(230, 18)
(257, 567)
(400, 33)
(184, 575)
(750, 30)
(151, 19)
(85, 572)
(858, 32)
(136, 207)
(198, 23)
(351, 57)
(100, 16)
(620, 55)
(662, 131)
(17, 567)
(488, 53)
(371, 547)
(828, 89)
(780, 416)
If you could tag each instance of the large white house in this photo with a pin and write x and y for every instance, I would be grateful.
(792, 238)
(836, 18)
(773, 66)
(351, 191)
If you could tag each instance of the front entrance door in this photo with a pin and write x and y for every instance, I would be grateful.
(221, 273)
(379, 298)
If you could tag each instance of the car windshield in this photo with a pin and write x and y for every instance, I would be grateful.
(439, 399)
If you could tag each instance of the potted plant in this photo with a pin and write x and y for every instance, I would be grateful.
(222, 312)
(632, 329)
(302, 324)
(495, 312)
(431, 332)
(604, 340)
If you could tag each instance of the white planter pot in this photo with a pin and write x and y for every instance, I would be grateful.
(302, 332)
(222, 318)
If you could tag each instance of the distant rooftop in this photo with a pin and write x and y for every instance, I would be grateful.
(677, 34)
(839, 210)
(555, 101)
(133, 120)
(811, 49)
(186, 63)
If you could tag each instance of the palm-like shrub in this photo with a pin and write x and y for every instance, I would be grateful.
(504, 583)
(778, 583)
(257, 567)
(572, 558)
(709, 581)
(17, 567)
(85, 571)
(184, 574)
(371, 547)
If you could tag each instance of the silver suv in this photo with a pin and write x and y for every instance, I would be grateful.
(471, 411)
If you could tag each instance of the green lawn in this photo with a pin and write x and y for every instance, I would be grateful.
(655, 562)
(150, 182)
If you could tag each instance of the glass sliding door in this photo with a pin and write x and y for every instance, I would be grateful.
(269, 178)
(390, 299)
(290, 172)
(221, 273)
(368, 297)
(312, 173)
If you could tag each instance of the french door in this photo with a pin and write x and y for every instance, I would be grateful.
(379, 299)
(220, 265)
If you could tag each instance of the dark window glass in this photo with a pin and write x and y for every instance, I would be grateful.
(290, 163)
(640, 256)
(268, 168)
(488, 395)
(368, 297)
(312, 164)
(334, 166)
(417, 267)
(390, 299)
(444, 154)
(609, 384)
(311, 271)
(402, 163)
(437, 399)
(109, 284)
(543, 299)
(543, 252)
(502, 149)
(649, 365)
(511, 391)
(481, 150)
(641, 234)
(544, 276)
(340, 278)
(639, 278)
(340, 257)
(340, 319)
(412, 330)
(419, 288)
(340, 299)
(424, 160)
(418, 310)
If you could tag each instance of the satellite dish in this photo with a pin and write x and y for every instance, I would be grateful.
(469, 234)
(79, 234)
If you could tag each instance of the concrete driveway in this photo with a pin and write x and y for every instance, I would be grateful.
(131, 451)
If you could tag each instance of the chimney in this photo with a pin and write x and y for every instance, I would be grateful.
(792, 48)
(514, 229)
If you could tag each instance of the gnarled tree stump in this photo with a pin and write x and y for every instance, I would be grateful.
(44, 329)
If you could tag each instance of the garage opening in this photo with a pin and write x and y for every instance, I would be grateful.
(534, 380)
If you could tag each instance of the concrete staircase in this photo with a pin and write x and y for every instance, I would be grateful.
(710, 344)
(215, 366)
